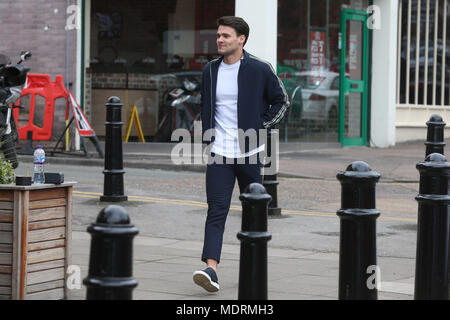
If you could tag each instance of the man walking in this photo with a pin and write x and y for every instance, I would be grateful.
(240, 93)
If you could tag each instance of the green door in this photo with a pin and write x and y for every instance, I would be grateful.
(353, 78)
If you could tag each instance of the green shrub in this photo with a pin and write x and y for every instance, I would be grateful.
(6, 172)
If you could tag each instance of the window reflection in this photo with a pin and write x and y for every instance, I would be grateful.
(308, 65)
(147, 52)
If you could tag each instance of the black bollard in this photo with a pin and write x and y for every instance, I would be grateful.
(435, 135)
(433, 229)
(270, 181)
(254, 238)
(111, 256)
(358, 251)
(113, 173)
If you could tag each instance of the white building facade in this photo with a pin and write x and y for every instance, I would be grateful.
(345, 63)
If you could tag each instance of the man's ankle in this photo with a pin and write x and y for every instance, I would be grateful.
(213, 267)
(212, 264)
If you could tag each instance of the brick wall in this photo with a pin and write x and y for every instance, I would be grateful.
(39, 26)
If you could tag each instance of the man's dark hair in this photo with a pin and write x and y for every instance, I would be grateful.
(238, 24)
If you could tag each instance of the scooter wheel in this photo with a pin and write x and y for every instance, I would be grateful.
(164, 132)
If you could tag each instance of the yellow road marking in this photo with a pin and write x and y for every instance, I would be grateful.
(91, 195)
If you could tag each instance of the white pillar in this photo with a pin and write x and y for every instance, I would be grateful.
(384, 71)
(261, 16)
(78, 83)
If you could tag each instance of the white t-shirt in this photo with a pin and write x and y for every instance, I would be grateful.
(226, 142)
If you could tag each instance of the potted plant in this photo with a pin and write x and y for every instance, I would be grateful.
(6, 172)
(35, 237)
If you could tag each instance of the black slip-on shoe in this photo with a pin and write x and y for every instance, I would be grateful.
(207, 279)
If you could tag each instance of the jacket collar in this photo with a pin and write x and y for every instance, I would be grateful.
(244, 59)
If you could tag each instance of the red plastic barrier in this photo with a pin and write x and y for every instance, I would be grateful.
(41, 84)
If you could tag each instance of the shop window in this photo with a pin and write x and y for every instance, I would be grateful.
(141, 50)
(424, 59)
(308, 64)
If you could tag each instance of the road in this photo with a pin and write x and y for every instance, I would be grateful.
(172, 204)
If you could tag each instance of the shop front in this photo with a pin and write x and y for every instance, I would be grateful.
(322, 58)
(142, 51)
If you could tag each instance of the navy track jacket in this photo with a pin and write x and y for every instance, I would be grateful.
(262, 98)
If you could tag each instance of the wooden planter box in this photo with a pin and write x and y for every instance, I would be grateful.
(35, 240)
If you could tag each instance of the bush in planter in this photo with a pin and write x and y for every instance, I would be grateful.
(6, 172)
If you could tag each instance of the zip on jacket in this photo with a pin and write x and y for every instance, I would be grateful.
(262, 98)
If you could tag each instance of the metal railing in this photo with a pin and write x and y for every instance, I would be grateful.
(423, 66)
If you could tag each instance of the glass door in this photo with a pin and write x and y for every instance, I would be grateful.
(353, 78)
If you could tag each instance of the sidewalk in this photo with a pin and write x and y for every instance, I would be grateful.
(163, 267)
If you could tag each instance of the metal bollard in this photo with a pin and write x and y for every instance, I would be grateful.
(435, 135)
(357, 248)
(254, 238)
(111, 256)
(270, 181)
(433, 229)
(113, 173)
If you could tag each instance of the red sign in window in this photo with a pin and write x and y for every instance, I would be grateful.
(317, 56)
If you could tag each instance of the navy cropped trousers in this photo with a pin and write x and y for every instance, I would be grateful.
(220, 179)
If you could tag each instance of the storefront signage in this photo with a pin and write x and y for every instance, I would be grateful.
(317, 56)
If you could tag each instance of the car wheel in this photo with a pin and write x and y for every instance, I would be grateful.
(332, 119)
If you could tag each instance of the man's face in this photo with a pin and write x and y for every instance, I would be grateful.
(228, 42)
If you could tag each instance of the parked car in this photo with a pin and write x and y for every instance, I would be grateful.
(316, 97)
